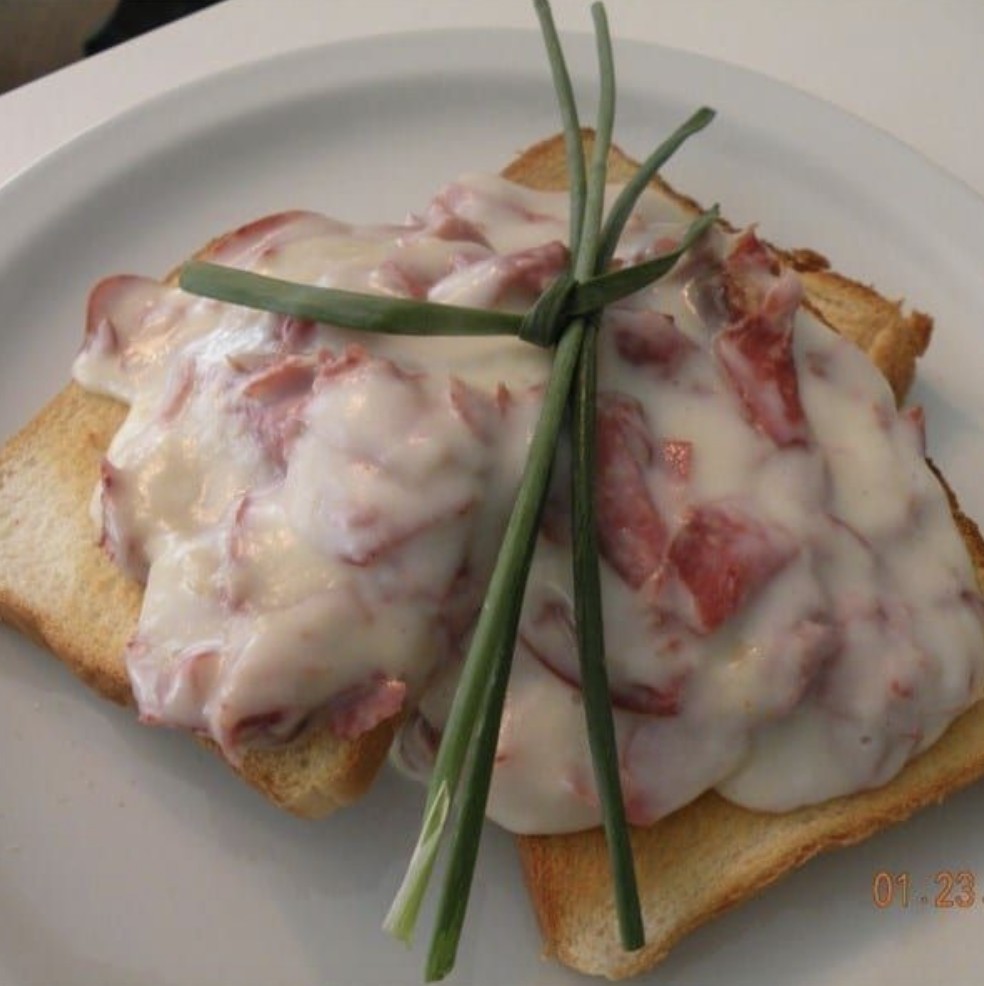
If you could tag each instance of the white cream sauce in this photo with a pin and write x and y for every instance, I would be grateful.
(790, 613)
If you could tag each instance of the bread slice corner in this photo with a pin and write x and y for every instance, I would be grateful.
(58, 587)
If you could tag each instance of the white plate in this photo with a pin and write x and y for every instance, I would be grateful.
(128, 855)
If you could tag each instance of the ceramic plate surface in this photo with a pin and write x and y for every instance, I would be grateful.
(129, 855)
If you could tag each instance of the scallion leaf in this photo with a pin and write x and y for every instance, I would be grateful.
(348, 309)
(576, 179)
(636, 185)
(588, 620)
(606, 288)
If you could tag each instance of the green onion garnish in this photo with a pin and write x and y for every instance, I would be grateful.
(644, 174)
(567, 317)
(576, 177)
(588, 620)
(348, 309)
(403, 316)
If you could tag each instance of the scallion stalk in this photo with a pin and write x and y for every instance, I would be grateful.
(495, 633)
(627, 280)
(348, 309)
(644, 174)
(588, 621)
(476, 781)
(576, 178)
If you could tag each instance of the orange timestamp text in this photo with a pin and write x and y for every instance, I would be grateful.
(943, 890)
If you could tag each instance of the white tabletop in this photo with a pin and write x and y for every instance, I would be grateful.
(911, 67)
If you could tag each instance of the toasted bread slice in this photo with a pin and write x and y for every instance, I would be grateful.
(59, 587)
(711, 855)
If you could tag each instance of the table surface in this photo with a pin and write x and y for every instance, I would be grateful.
(910, 67)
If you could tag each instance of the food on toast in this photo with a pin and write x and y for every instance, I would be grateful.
(63, 590)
